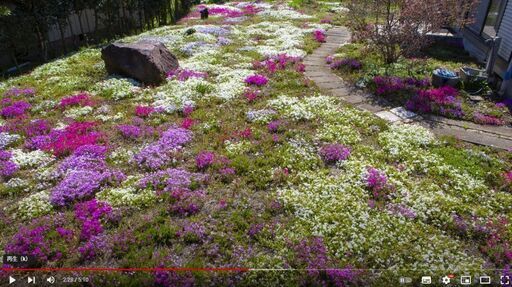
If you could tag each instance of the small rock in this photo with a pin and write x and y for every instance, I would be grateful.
(476, 98)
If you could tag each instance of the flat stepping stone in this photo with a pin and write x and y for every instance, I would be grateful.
(312, 74)
(388, 116)
(342, 92)
(403, 113)
(501, 131)
(473, 136)
(325, 79)
(354, 98)
(371, 108)
(331, 85)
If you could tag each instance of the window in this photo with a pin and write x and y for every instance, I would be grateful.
(490, 28)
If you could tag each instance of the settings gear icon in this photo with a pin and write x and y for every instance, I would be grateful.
(446, 280)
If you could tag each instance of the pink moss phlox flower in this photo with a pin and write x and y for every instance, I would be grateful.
(185, 74)
(144, 111)
(81, 99)
(319, 36)
(187, 123)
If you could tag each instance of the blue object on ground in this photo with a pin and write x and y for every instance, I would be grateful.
(445, 73)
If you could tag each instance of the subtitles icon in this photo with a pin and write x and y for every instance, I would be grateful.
(426, 280)
(485, 280)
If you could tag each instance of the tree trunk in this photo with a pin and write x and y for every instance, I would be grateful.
(42, 44)
(62, 40)
(73, 36)
(79, 15)
(13, 57)
(87, 21)
(141, 24)
(96, 22)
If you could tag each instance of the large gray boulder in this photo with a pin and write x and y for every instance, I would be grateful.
(147, 62)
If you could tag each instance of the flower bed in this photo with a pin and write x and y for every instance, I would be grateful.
(237, 160)
(416, 92)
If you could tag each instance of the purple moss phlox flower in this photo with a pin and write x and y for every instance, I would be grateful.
(255, 229)
(30, 241)
(257, 80)
(87, 157)
(38, 142)
(96, 245)
(90, 213)
(376, 180)
(16, 92)
(84, 172)
(192, 232)
(333, 153)
(75, 186)
(343, 277)
(187, 202)
(130, 131)
(65, 233)
(16, 109)
(159, 153)
(484, 119)
(37, 128)
(227, 171)
(274, 126)
(173, 279)
(442, 100)
(312, 254)
(205, 159)
(7, 167)
(348, 63)
(170, 179)
(403, 210)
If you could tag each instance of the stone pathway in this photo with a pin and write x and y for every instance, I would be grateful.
(320, 73)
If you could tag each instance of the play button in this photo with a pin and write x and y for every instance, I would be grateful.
(11, 280)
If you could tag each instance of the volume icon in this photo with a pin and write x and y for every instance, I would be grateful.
(50, 279)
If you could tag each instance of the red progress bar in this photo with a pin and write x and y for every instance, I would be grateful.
(108, 269)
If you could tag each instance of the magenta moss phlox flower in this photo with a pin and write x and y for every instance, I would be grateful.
(319, 36)
(333, 153)
(257, 80)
